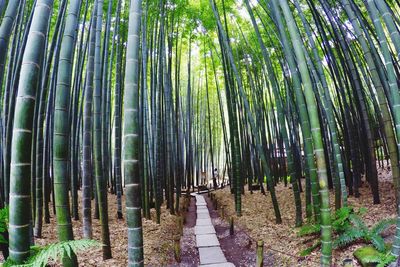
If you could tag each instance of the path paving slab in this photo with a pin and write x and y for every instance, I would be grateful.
(203, 210)
(221, 264)
(203, 216)
(210, 252)
(207, 240)
(211, 255)
(203, 222)
(204, 229)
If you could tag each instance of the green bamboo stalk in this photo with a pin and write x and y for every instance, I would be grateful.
(328, 107)
(379, 88)
(20, 173)
(40, 154)
(101, 183)
(306, 131)
(61, 128)
(131, 138)
(326, 232)
(281, 118)
(105, 91)
(248, 114)
(87, 166)
(374, 6)
(117, 119)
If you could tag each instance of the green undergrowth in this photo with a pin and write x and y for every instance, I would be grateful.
(40, 256)
(369, 256)
(349, 228)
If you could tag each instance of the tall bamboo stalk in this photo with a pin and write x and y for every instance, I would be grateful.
(131, 138)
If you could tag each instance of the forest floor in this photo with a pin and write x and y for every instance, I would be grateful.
(282, 245)
(158, 239)
(258, 220)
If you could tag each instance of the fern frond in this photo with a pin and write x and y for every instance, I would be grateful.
(382, 226)
(388, 258)
(59, 250)
(4, 213)
(358, 222)
(349, 236)
(378, 242)
(340, 221)
(308, 250)
(8, 263)
(362, 211)
(340, 226)
(309, 229)
(4, 219)
(343, 213)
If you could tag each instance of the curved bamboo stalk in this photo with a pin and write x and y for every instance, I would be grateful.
(20, 173)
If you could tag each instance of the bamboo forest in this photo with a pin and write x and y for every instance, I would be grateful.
(200, 133)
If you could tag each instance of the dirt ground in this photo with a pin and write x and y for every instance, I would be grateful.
(239, 248)
(158, 239)
(281, 241)
(282, 246)
(190, 254)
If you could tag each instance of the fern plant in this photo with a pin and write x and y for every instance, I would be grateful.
(359, 231)
(40, 256)
(309, 229)
(349, 227)
(340, 221)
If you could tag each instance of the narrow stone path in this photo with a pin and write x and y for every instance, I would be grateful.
(206, 239)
